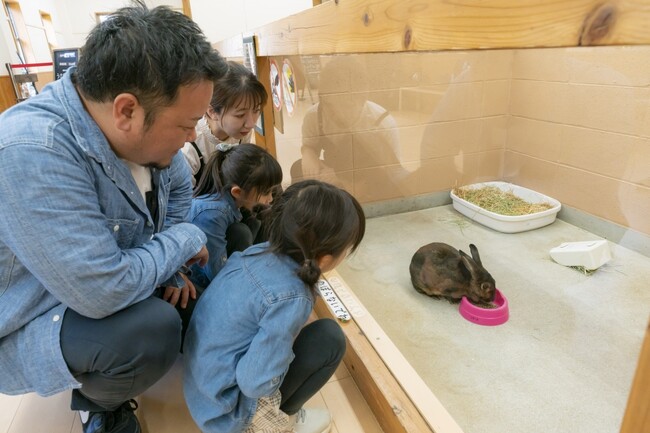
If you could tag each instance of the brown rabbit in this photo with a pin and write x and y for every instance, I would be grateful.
(441, 271)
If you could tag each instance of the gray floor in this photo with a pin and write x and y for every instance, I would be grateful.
(564, 361)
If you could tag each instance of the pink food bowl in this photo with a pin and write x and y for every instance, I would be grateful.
(486, 316)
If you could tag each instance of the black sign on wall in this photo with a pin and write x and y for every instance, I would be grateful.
(63, 59)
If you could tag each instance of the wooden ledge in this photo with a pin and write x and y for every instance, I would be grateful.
(382, 374)
(364, 26)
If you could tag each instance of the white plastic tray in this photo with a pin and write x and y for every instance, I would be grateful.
(506, 223)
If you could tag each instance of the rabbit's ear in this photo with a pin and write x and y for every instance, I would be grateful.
(475, 255)
(465, 265)
(475, 269)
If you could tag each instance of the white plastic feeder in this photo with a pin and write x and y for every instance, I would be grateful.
(588, 254)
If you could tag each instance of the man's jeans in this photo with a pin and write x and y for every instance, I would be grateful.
(118, 357)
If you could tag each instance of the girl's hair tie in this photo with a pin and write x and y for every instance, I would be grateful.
(225, 147)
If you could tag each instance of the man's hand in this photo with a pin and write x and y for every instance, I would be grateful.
(201, 258)
(173, 294)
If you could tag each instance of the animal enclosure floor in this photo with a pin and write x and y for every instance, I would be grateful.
(565, 359)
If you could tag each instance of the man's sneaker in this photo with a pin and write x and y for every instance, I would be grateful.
(312, 420)
(121, 420)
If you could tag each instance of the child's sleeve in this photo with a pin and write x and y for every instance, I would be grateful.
(214, 224)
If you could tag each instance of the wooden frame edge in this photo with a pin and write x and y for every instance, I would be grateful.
(637, 413)
(392, 408)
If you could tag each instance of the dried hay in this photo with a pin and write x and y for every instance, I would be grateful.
(584, 270)
(501, 202)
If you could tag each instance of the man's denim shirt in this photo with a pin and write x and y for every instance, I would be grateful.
(75, 233)
(213, 214)
(239, 343)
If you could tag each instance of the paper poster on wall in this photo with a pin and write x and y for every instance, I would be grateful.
(276, 87)
(288, 87)
(250, 61)
(249, 54)
(278, 121)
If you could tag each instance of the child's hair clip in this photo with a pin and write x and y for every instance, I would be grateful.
(224, 147)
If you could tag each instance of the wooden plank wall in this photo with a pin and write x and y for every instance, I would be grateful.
(7, 95)
(366, 26)
(363, 26)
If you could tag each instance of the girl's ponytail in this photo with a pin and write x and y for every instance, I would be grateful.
(309, 272)
(246, 165)
(312, 219)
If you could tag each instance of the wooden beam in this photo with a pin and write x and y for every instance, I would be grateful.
(267, 141)
(7, 93)
(367, 26)
(187, 8)
(637, 413)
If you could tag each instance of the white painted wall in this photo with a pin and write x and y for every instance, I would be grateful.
(73, 19)
(81, 14)
(5, 48)
(221, 19)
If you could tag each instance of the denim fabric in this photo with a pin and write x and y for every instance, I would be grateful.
(318, 350)
(75, 233)
(238, 347)
(213, 213)
(121, 356)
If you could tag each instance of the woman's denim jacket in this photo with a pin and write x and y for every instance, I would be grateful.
(213, 214)
(75, 233)
(238, 345)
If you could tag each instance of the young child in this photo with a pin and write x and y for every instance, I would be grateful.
(237, 101)
(250, 360)
(242, 177)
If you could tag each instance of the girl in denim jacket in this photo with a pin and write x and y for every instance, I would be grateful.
(251, 361)
(238, 180)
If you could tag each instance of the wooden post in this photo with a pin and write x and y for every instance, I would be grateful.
(7, 93)
(267, 141)
(637, 413)
(187, 9)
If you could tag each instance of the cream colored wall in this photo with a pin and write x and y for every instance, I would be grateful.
(450, 119)
(571, 123)
(579, 129)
